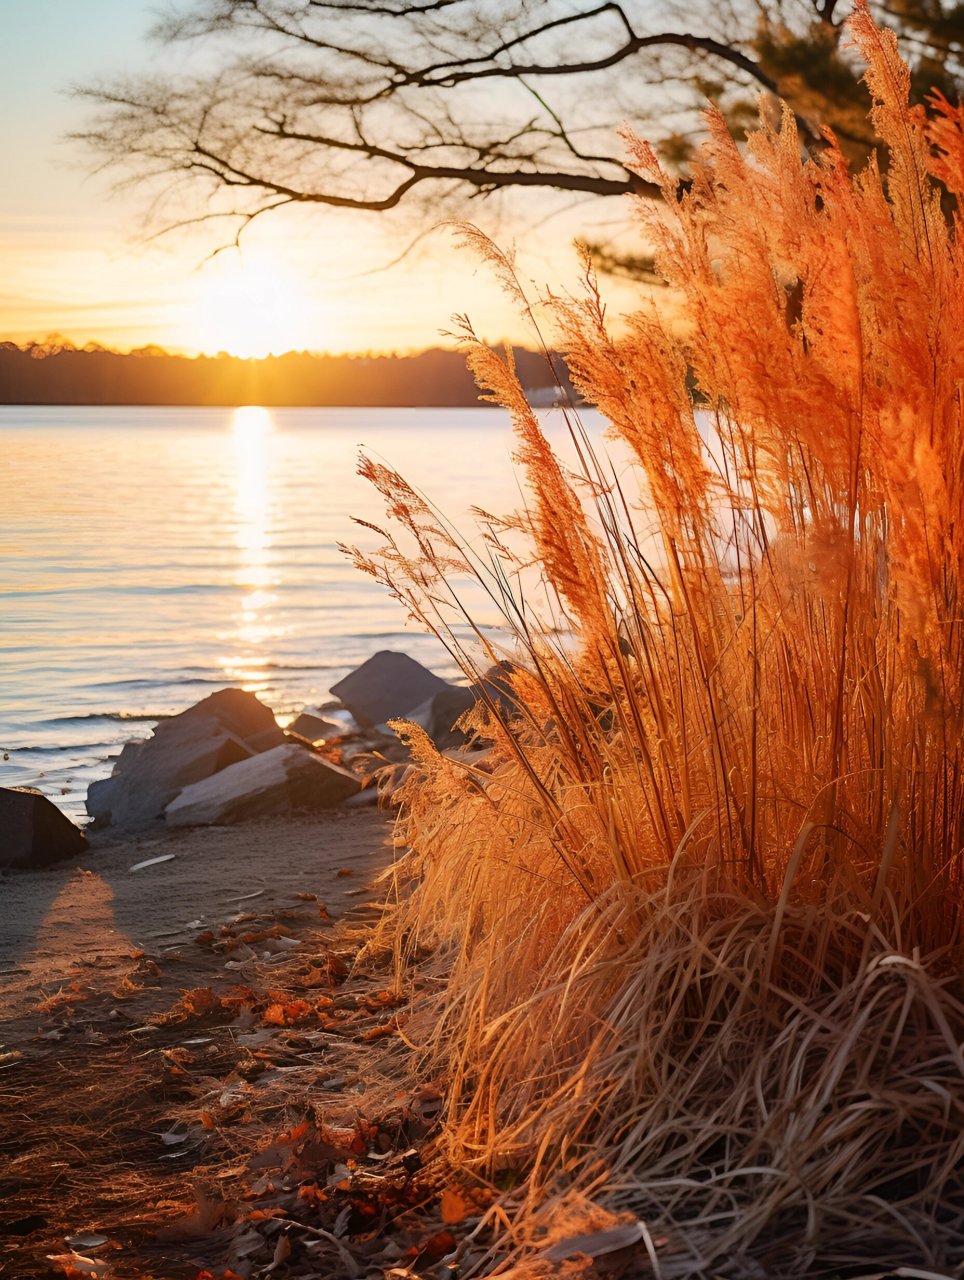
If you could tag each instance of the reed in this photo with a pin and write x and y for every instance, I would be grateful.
(696, 923)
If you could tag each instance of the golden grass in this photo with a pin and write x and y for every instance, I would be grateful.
(697, 926)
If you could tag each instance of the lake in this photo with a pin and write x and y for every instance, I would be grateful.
(149, 556)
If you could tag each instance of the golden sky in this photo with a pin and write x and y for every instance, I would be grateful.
(73, 259)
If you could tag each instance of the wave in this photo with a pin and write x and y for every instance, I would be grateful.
(222, 678)
(129, 717)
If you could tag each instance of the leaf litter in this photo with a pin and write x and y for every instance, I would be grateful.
(216, 1128)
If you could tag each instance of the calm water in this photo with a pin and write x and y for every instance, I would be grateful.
(150, 556)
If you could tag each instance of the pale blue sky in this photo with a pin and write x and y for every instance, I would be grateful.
(45, 46)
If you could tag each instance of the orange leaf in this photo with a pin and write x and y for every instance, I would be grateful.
(454, 1206)
(199, 1001)
(299, 1131)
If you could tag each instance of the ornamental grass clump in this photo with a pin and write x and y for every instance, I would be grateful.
(695, 921)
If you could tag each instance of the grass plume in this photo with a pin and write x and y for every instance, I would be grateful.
(696, 924)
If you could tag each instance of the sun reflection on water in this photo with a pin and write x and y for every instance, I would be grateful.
(252, 428)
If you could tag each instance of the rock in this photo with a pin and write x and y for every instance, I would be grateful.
(221, 730)
(315, 727)
(386, 687)
(367, 799)
(496, 687)
(33, 831)
(479, 761)
(137, 796)
(233, 710)
(439, 713)
(279, 781)
(100, 800)
(127, 755)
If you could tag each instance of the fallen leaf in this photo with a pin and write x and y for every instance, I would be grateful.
(376, 1033)
(71, 995)
(199, 1001)
(282, 1252)
(76, 1264)
(455, 1208)
(434, 1248)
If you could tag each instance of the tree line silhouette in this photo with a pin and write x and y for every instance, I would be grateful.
(56, 372)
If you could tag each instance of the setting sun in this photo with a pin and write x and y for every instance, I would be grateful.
(249, 303)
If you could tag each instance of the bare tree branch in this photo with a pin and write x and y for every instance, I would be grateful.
(369, 105)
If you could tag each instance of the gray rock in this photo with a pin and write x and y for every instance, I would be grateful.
(439, 713)
(314, 728)
(33, 831)
(101, 798)
(387, 686)
(367, 799)
(233, 711)
(137, 796)
(128, 752)
(279, 781)
(223, 729)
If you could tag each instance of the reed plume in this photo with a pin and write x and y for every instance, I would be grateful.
(696, 921)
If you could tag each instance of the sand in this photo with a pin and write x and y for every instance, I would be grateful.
(113, 1030)
(95, 912)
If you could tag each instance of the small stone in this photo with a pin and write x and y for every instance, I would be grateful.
(314, 727)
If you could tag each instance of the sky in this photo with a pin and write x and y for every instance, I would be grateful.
(73, 256)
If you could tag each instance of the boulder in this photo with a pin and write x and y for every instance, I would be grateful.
(234, 711)
(137, 796)
(273, 782)
(386, 687)
(314, 728)
(33, 831)
(223, 729)
(439, 713)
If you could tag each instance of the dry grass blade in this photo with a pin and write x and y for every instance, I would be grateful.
(696, 930)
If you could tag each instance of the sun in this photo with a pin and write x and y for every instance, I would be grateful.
(250, 303)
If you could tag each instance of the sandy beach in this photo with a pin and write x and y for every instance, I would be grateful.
(91, 914)
(125, 993)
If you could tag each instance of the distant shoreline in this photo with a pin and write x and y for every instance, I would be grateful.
(51, 374)
(231, 404)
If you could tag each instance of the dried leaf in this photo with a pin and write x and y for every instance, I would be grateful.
(454, 1206)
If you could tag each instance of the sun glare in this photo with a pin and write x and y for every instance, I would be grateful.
(251, 428)
(251, 304)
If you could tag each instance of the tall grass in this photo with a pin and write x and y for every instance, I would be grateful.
(697, 922)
